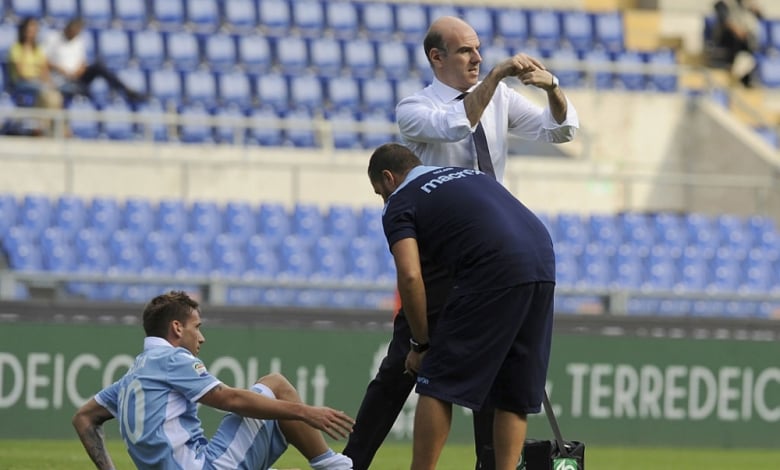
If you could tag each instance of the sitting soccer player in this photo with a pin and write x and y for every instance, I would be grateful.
(156, 402)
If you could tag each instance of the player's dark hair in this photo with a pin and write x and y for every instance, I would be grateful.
(434, 40)
(165, 308)
(394, 157)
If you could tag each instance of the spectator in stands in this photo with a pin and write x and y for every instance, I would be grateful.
(29, 72)
(492, 340)
(166, 432)
(67, 57)
(437, 124)
(736, 36)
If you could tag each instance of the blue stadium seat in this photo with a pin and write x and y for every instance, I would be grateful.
(377, 94)
(273, 221)
(608, 30)
(341, 18)
(602, 229)
(153, 126)
(628, 267)
(668, 229)
(227, 257)
(308, 18)
(60, 11)
(23, 8)
(370, 223)
(239, 220)
(103, 215)
(262, 259)
(393, 59)
(341, 222)
(148, 48)
(306, 92)
(301, 132)
(595, 266)
(96, 13)
(630, 73)
(343, 92)
(200, 86)
(123, 127)
(8, 36)
(544, 28)
(255, 53)
(295, 263)
(219, 50)
(134, 78)
(273, 91)
(203, 15)
(326, 56)
(361, 256)
(35, 214)
(757, 276)
(83, 118)
(195, 128)
(8, 212)
(577, 29)
(701, 231)
(328, 260)
(265, 130)
(182, 50)
(724, 275)
(113, 47)
(69, 215)
(481, 19)
(229, 129)
(138, 216)
(234, 89)
(660, 269)
(378, 128)
(378, 20)
(195, 263)
(23, 253)
(662, 66)
(171, 218)
(344, 125)
(571, 228)
(420, 65)
(292, 54)
(205, 218)
(165, 86)
(565, 61)
(306, 221)
(274, 17)
(127, 259)
(241, 15)
(169, 14)
(597, 63)
(56, 252)
(769, 70)
(131, 13)
(635, 229)
(360, 57)
(512, 26)
(411, 22)
(407, 87)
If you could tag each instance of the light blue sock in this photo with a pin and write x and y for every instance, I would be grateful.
(319, 458)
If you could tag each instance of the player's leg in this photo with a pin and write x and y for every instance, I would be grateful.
(508, 437)
(385, 397)
(483, 438)
(432, 421)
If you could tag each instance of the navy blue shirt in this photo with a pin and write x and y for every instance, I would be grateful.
(468, 223)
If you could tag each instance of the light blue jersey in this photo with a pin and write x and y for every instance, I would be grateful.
(155, 404)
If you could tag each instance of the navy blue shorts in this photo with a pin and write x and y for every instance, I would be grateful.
(492, 346)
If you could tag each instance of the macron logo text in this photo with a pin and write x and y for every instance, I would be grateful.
(436, 182)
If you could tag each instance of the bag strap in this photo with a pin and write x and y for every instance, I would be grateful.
(554, 425)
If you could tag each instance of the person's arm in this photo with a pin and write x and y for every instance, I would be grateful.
(411, 288)
(88, 422)
(253, 405)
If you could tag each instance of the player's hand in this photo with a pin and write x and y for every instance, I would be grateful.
(413, 362)
(538, 78)
(334, 423)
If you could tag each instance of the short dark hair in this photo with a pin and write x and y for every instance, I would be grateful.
(21, 30)
(165, 308)
(394, 157)
(434, 40)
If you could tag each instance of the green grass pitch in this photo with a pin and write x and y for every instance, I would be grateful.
(68, 455)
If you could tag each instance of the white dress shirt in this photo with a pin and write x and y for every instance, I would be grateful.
(68, 55)
(434, 125)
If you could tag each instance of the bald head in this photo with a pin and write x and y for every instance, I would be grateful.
(442, 31)
(452, 48)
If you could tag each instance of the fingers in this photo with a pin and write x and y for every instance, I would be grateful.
(338, 425)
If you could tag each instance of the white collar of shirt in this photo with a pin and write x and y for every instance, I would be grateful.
(445, 92)
(414, 173)
(156, 342)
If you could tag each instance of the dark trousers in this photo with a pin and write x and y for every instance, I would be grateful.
(96, 70)
(385, 397)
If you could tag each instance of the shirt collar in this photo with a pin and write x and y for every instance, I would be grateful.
(414, 173)
(445, 92)
(156, 342)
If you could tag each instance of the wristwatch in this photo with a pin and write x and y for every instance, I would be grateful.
(418, 347)
(554, 83)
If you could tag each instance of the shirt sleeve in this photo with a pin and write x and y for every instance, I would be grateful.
(188, 375)
(421, 120)
(108, 398)
(532, 122)
(398, 221)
